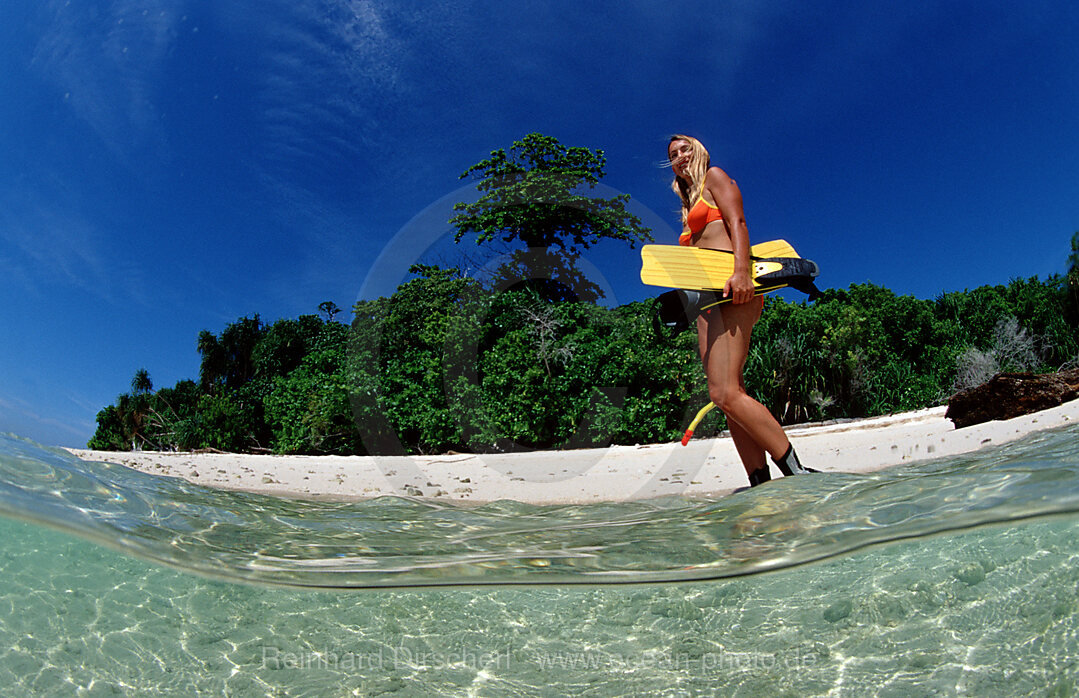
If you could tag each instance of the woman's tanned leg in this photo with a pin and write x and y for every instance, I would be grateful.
(724, 351)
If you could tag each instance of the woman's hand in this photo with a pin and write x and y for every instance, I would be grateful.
(739, 287)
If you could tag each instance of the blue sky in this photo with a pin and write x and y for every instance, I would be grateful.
(170, 166)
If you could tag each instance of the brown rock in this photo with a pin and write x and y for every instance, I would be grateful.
(1008, 395)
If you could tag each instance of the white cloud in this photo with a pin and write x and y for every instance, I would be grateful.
(46, 246)
(104, 58)
(329, 69)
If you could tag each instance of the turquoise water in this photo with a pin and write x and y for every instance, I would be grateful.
(947, 577)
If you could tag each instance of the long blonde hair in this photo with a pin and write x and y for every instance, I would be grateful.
(699, 162)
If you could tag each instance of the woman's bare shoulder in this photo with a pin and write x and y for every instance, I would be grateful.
(716, 174)
(716, 178)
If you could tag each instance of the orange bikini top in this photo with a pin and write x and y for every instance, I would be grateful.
(699, 217)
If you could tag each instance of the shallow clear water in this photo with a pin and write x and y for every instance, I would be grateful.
(948, 577)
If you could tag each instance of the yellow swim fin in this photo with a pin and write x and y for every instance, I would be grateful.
(775, 264)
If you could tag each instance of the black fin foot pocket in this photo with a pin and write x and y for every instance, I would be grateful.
(789, 464)
(759, 476)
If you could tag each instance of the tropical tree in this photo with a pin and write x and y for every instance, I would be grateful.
(307, 409)
(540, 194)
(1073, 258)
(141, 383)
(136, 408)
(227, 360)
(109, 435)
(1073, 280)
(330, 309)
(283, 345)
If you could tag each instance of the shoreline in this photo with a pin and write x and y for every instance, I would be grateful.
(703, 468)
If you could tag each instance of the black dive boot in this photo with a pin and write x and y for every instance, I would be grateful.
(789, 465)
(759, 476)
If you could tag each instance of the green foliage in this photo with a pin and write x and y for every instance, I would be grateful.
(308, 409)
(141, 383)
(1073, 256)
(227, 361)
(1071, 283)
(330, 309)
(399, 355)
(446, 364)
(109, 435)
(280, 387)
(540, 195)
(865, 351)
(532, 195)
(455, 367)
(282, 346)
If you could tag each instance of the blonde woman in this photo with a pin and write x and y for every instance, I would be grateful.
(712, 218)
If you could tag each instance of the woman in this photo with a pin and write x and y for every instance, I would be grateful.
(712, 218)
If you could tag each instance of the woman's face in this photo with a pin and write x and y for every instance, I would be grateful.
(680, 153)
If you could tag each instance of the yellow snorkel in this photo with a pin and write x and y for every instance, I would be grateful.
(696, 420)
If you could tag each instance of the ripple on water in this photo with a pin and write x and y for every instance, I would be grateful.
(397, 542)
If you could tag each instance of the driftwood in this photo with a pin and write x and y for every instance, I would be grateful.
(1008, 395)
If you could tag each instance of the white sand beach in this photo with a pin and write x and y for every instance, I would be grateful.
(705, 467)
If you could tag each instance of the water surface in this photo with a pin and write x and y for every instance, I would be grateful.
(954, 576)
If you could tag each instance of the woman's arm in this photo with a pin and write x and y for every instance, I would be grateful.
(728, 198)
